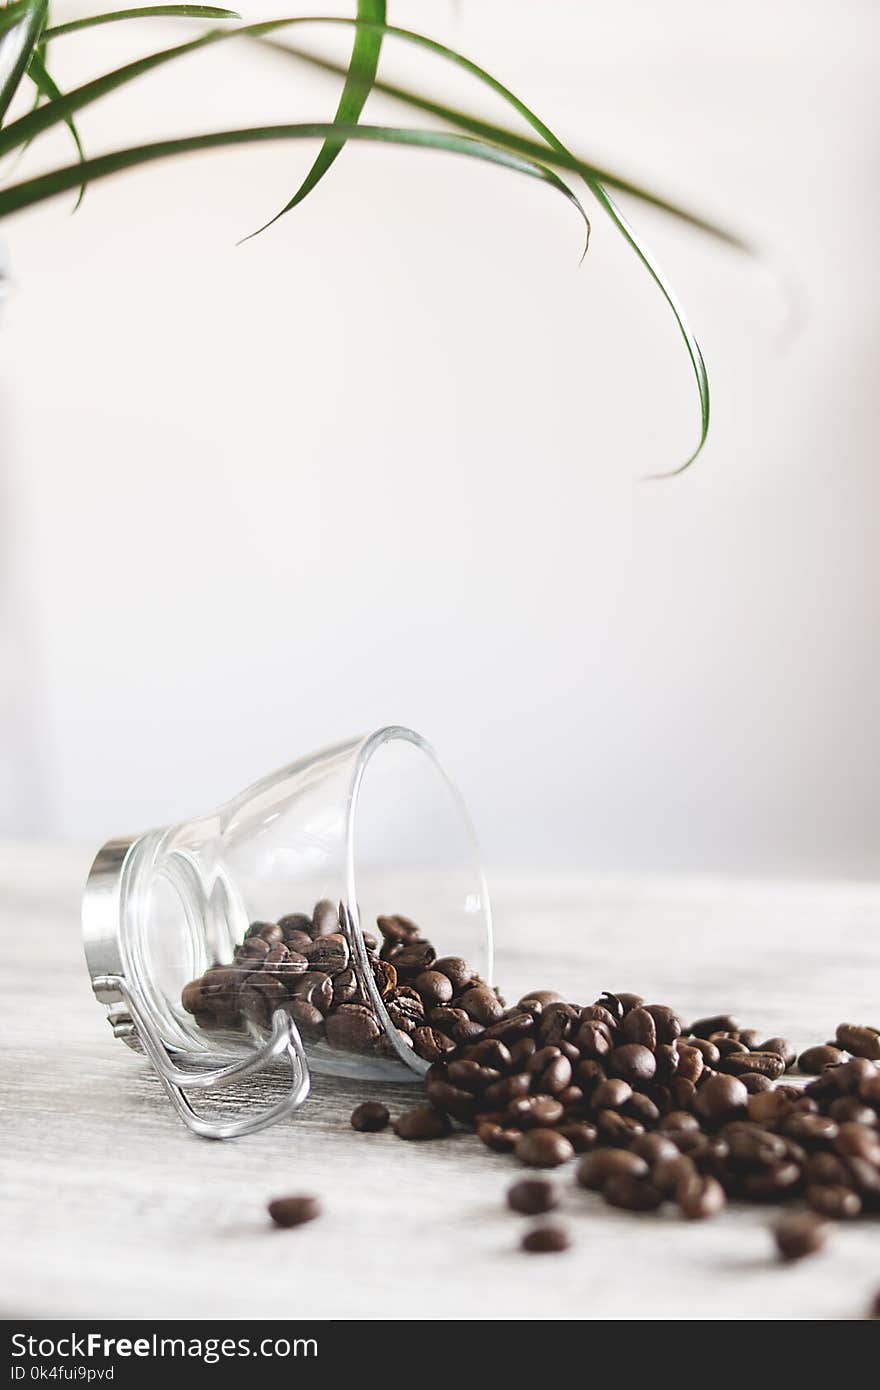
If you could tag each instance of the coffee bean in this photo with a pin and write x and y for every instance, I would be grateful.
(630, 1001)
(781, 1045)
(532, 1196)
(816, 1058)
(346, 989)
(298, 925)
(597, 1013)
(431, 1044)
(512, 1028)
(666, 1022)
(617, 1129)
(638, 1026)
(809, 1130)
(839, 1203)
(755, 1083)
(260, 996)
(546, 1240)
(593, 1040)
(750, 1038)
(707, 1050)
(434, 987)
(766, 1063)
(643, 1109)
(385, 977)
(509, 1088)
(325, 918)
(633, 1194)
(192, 998)
(558, 1023)
(857, 1141)
(632, 1062)
(329, 953)
(499, 1138)
(481, 1004)
(798, 1234)
(825, 1169)
(716, 1023)
(254, 948)
(309, 1019)
(690, 1062)
(729, 1047)
(667, 1173)
(470, 1076)
(698, 1197)
(424, 1122)
(678, 1121)
(415, 959)
(612, 1003)
(859, 1040)
(294, 1211)
(721, 1096)
(769, 1184)
(653, 1148)
(398, 930)
(522, 1050)
(580, 1135)
(461, 1105)
(352, 1026)
(611, 1094)
(596, 1168)
(543, 1148)
(849, 1109)
(550, 1070)
(534, 1112)
(369, 1117)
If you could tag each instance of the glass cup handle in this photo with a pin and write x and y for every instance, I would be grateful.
(284, 1041)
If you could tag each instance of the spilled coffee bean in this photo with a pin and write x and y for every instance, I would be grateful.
(294, 1211)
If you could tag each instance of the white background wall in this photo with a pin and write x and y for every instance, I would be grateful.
(383, 462)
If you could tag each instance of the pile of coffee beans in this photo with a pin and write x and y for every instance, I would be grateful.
(304, 965)
(658, 1110)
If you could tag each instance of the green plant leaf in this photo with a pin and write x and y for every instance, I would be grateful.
(359, 81)
(11, 14)
(47, 87)
(36, 190)
(144, 12)
(17, 43)
(522, 144)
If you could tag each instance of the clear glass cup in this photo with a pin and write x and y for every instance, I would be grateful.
(269, 929)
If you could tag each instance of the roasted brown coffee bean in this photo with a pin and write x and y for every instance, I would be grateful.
(481, 1004)
(716, 1023)
(546, 1240)
(533, 1112)
(470, 1076)
(461, 1105)
(666, 1058)
(434, 987)
(611, 1094)
(864, 1176)
(638, 1026)
(815, 1059)
(707, 1050)
(191, 998)
(532, 1196)
(770, 1184)
(682, 1091)
(558, 1022)
(254, 948)
(839, 1203)
(798, 1234)
(749, 1146)
(385, 976)
(859, 1040)
(666, 1022)
(309, 1019)
(596, 1168)
(346, 989)
(398, 929)
(781, 1045)
(416, 958)
(766, 1106)
(597, 1013)
(612, 1003)
(580, 1135)
(572, 1098)
(550, 1070)
(755, 1083)
(325, 918)
(588, 1073)
(431, 1044)
(456, 970)
(369, 1117)
(501, 1093)
(630, 1001)
(698, 1197)
(857, 1141)
(543, 1148)
(690, 1062)
(314, 987)
(633, 1062)
(424, 1122)
(521, 1051)
(869, 1089)
(499, 1139)
(643, 1109)
(260, 996)
(294, 1211)
(721, 1097)
(809, 1130)
(329, 953)
(850, 1110)
(653, 1148)
(750, 1038)
(848, 1077)
(729, 1047)
(826, 1169)
(269, 931)
(678, 1121)
(766, 1063)
(296, 923)
(593, 1040)
(352, 1026)
(617, 1129)
(667, 1173)
(511, 1029)
(632, 1194)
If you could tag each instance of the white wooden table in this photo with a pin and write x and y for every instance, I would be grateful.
(110, 1208)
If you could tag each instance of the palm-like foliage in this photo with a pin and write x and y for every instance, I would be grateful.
(26, 38)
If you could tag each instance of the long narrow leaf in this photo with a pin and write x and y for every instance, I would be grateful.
(47, 87)
(36, 190)
(16, 46)
(522, 144)
(143, 12)
(359, 81)
(11, 14)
